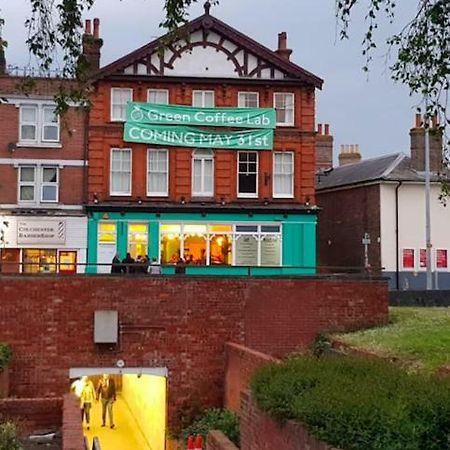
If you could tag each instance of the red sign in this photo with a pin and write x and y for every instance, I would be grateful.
(408, 258)
(441, 259)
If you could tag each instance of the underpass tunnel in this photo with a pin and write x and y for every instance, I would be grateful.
(140, 412)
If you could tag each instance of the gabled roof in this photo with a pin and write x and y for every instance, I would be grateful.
(211, 23)
(394, 167)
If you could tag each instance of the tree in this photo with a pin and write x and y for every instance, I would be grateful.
(422, 48)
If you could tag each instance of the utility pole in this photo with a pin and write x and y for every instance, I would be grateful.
(427, 197)
(366, 243)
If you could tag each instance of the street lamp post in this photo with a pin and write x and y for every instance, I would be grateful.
(427, 199)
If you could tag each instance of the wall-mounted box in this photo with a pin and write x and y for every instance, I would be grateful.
(106, 327)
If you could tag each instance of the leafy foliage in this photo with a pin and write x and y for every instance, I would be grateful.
(8, 437)
(5, 355)
(215, 419)
(357, 404)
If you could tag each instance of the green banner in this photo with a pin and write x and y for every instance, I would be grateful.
(194, 137)
(214, 117)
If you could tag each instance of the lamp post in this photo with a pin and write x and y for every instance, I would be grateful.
(427, 198)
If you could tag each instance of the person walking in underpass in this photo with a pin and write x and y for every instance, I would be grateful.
(106, 392)
(87, 398)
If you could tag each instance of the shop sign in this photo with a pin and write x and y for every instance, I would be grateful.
(41, 232)
(181, 136)
(188, 115)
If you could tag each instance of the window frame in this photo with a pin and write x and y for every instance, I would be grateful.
(292, 174)
(441, 269)
(27, 183)
(111, 192)
(166, 92)
(114, 89)
(39, 125)
(285, 124)
(203, 92)
(245, 93)
(48, 183)
(52, 124)
(164, 193)
(197, 155)
(245, 194)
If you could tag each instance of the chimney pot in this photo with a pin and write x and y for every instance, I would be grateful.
(87, 26)
(97, 28)
(327, 129)
(282, 40)
(435, 121)
(418, 120)
(319, 128)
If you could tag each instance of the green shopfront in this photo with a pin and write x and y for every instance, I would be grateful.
(208, 243)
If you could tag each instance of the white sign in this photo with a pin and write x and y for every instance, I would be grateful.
(41, 232)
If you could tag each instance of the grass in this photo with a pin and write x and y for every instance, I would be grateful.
(419, 337)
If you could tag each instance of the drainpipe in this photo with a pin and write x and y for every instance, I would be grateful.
(397, 262)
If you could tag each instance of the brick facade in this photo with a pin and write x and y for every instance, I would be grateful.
(218, 441)
(344, 218)
(179, 323)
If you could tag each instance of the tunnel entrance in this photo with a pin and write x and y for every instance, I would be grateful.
(139, 412)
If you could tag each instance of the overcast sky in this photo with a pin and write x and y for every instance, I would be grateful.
(370, 110)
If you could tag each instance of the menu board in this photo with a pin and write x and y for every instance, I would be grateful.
(270, 251)
(408, 258)
(246, 251)
(441, 259)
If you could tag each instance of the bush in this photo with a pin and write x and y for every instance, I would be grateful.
(215, 419)
(8, 437)
(5, 355)
(357, 404)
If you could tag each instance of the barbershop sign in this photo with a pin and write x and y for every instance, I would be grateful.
(41, 232)
(214, 117)
(181, 136)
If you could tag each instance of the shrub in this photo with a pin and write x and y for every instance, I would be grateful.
(8, 437)
(216, 419)
(5, 355)
(357, 404)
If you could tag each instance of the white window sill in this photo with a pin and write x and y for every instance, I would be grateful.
(39, 144)
(284, 124)
(157, 194)
(283, 196)
(120, 194)
(247, 195)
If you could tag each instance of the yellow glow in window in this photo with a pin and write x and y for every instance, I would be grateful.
(170, 228)
(107, 232)
(220, 228)
(194, 228)
(137, 228)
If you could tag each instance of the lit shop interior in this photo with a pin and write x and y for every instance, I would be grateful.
(205, 246)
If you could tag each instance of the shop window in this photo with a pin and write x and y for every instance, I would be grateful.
(202, 173)
(119, 100)
(246, 250)
(10, 260)
(441, 259)
(247, 174)
(270, 250)
(423, 258)
(408, 258)
(170, 248)
(284, 107)
(283, 175)
(39, 125)
(157, 173)
(137, 239)
(221, 250)
(107, 232)
(158, 96)
(203, 99)
(248, 100)
(67, 261)
(39, 261)
(120, 171)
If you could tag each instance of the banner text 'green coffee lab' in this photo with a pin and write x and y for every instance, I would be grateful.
(194, 137)
(189, 115)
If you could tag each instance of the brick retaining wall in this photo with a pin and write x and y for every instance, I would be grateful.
(218, 441)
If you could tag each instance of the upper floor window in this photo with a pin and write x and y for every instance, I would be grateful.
(283, 174)
(203, 99)
(284, 106)
(39, 124)
(248, 100)
(119, 99)
(38, 183)
(157, 173)
(202, 173)
(120, 183)
(247, 174)
(158, 96)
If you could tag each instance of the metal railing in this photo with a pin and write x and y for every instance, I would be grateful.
(33, 72)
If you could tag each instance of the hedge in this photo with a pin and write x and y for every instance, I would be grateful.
(357, 404)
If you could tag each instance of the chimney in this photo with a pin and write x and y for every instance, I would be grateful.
(282, 49)
(91, 46)
(349, 155)
(2, 58)
(324, 147)
(417, 135)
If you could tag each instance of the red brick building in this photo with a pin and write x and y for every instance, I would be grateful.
(42, 177)
(222, 208)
